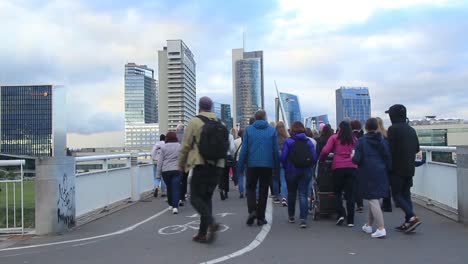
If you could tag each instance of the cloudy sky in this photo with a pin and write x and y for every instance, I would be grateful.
(413, 52)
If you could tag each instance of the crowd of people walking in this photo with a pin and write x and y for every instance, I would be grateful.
(370, 164)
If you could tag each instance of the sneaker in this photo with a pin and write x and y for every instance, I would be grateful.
(170, 207)
(367, 229)
(175, 211)
(200, 239)
(284, 202)
(402, 227)
(379, 233)
(251, 218)
(241, 196)
(212, 229)
(413, 223)
(163, 194)
(291, 219)
(340, 221)
(261, 222)
(181, 203)
(156, 191)
(276, 201)
(303, 223)
(360, 209)
(350, 225)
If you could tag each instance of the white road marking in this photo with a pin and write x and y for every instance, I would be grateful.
(255, 243)
(122, 231)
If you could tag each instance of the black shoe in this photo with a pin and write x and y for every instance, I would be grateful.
(181, 203)
(413, 223)
(156, 190)
(340, 221)
(402, 228)
(360, 209)
(261, 222)
(223, 197)
(251, 218)
(241, 196)
(226, 195)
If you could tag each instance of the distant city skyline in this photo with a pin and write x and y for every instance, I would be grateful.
(310, 48)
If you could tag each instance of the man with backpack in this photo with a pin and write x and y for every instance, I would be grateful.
(204, 149)
(259, 153)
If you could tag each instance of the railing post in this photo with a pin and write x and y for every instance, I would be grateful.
(134, 175)
(462, 183)
(55, 195)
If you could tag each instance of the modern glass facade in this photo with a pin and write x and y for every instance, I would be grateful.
(26, 120)
(314, 121)
(247, 83)
(140, 95)
(353, 103)
(290, 110)
(226, 115)
(248, 89)
(141, 136)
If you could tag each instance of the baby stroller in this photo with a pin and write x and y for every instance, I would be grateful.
(323, 198)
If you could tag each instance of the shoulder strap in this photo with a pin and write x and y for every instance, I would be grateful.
(237, 151)
(203, 118)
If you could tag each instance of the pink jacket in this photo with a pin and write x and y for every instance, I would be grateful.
(342, 153)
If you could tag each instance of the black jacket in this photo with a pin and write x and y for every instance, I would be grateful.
(404, 145)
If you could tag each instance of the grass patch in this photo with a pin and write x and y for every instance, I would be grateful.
(29, 188)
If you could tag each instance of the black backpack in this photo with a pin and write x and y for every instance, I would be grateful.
(214, 139)
(301, 156)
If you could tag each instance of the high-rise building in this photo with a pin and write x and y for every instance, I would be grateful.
(141, 106)
(289, 110)
(33, 120)
(353, 103)
(247, 83)
(223, 112)
(314, 121)
(217, 109)
(177, 85)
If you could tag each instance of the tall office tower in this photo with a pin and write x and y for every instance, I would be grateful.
(226, 115)
(141, 106)
(247, 84)
(177, 85)
(289, 110)
(33, 120)
(353, 103)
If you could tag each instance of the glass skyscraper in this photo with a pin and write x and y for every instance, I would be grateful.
(353, 103)
(33, 120)
(141, 108)
(289, 109)
(226, 115)
(247, 70)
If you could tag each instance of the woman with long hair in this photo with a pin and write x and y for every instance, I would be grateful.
(344, 170)
(325, 133)
(282, 136)
(168, 167)
(298, 158)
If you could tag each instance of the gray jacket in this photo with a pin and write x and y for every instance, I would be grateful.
(168, 159)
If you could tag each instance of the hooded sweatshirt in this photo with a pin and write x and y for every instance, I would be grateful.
(404, 143)
(259, 147)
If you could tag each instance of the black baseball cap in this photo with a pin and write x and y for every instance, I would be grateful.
(396, 108)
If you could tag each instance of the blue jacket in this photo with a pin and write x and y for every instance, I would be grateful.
(374, 160)
(259, 147)
(288, 147)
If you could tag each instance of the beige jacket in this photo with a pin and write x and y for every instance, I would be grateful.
(189, 155)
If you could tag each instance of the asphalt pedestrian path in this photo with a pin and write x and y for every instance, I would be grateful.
(148, 232)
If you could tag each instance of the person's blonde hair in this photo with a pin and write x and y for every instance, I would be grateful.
(381, 129)
(282, 132)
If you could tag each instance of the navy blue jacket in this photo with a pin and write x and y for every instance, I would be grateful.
(374, 160)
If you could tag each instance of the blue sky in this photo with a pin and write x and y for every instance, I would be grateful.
(411, 52)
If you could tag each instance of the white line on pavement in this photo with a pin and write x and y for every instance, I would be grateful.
(122, 231)
(255, 243)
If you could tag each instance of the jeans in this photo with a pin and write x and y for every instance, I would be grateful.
(343, 180)
(172, 178)
(202, 186)
(158, 183)
(298, 183)
(402, 196)
(284, 186)
(263, 176)
(241, 181)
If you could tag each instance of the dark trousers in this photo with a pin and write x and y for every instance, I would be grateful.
(235, 177)
(223, 183)
(298, 183)
(183, 185)
(357, 197)
(387, 202)
(202, 186)
(172, 180)
(343, 180)
(263, 177)
(402, 195)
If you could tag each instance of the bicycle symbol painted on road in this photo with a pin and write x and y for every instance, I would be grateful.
(176, 229)
(194, 225)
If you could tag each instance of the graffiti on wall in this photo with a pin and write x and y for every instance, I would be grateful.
(66, 202)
